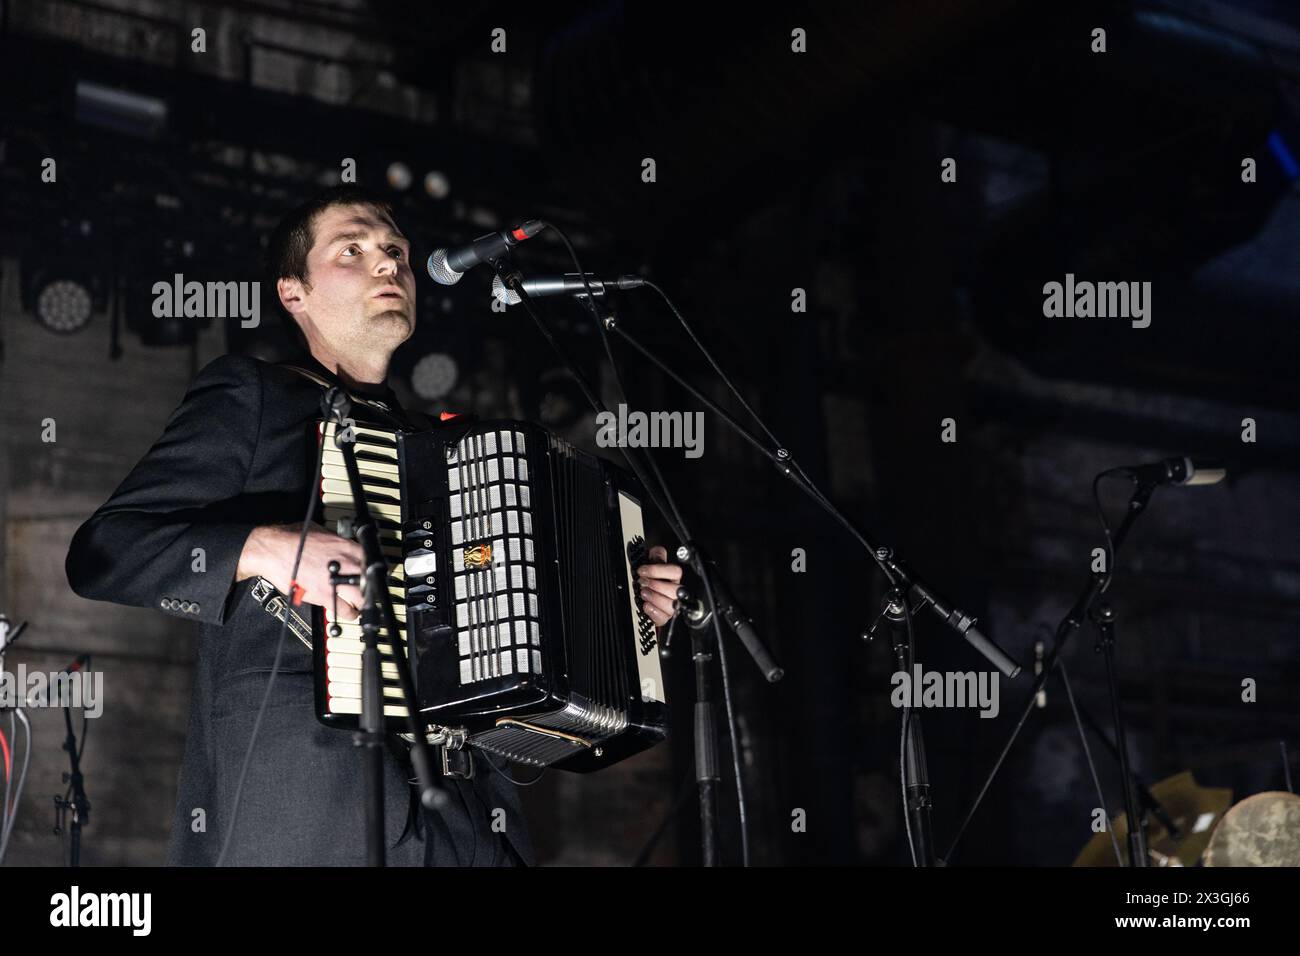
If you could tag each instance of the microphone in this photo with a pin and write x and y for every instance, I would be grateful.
(446, 266)
(568, 284)
(1177, 471)
(954, 617)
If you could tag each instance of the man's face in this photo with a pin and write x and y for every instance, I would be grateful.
(361, 298)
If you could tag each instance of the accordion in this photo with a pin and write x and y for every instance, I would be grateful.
(512, 560)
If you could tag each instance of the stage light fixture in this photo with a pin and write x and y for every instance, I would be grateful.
(399, 176)
(63, 305)
(436, 184)
(434, 375)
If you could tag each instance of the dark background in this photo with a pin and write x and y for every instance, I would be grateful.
(775, 170)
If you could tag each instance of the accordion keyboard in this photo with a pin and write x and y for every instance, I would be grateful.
(376, 451)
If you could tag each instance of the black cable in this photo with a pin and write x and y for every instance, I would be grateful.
(909, 660)
(681, 523)
(1105, 527)
(517, 783)
(279, 649)
(827, 505)
(800, 477)
(84, 728)
(672, 509)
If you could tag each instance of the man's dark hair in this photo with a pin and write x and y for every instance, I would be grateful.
(293, 237)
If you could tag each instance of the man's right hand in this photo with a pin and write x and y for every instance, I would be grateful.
(269, 552)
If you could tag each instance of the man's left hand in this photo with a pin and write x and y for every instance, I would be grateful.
(658, 582)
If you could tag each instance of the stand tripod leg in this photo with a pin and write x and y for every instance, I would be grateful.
(1092, 767)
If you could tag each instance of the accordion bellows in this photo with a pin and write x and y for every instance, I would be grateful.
(512, 561)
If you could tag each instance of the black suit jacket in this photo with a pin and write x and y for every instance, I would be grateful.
(233, 456)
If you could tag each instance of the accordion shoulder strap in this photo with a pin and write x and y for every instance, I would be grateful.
(402, 416)
(307, 373)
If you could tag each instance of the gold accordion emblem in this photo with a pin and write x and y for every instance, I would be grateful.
(479, 556)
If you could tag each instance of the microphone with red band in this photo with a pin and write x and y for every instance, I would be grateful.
(446, 266)
(77, 664)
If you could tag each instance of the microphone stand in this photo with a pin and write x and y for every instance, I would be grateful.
(916, 776)
(376, 612)
(718, 602)
(902, 581)
(1103, 616)
(1073, 619)
(706, 761)
(79, 804)
(893, 569)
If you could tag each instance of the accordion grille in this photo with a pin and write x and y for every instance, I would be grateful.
(597, 671)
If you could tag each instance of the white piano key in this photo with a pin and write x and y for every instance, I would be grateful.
(353, 648)
(354, 690)
(372, 473)
(346, 668)
(349, 705)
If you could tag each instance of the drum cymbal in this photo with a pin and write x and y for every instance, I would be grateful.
(1193, 809)
(1262, 830)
